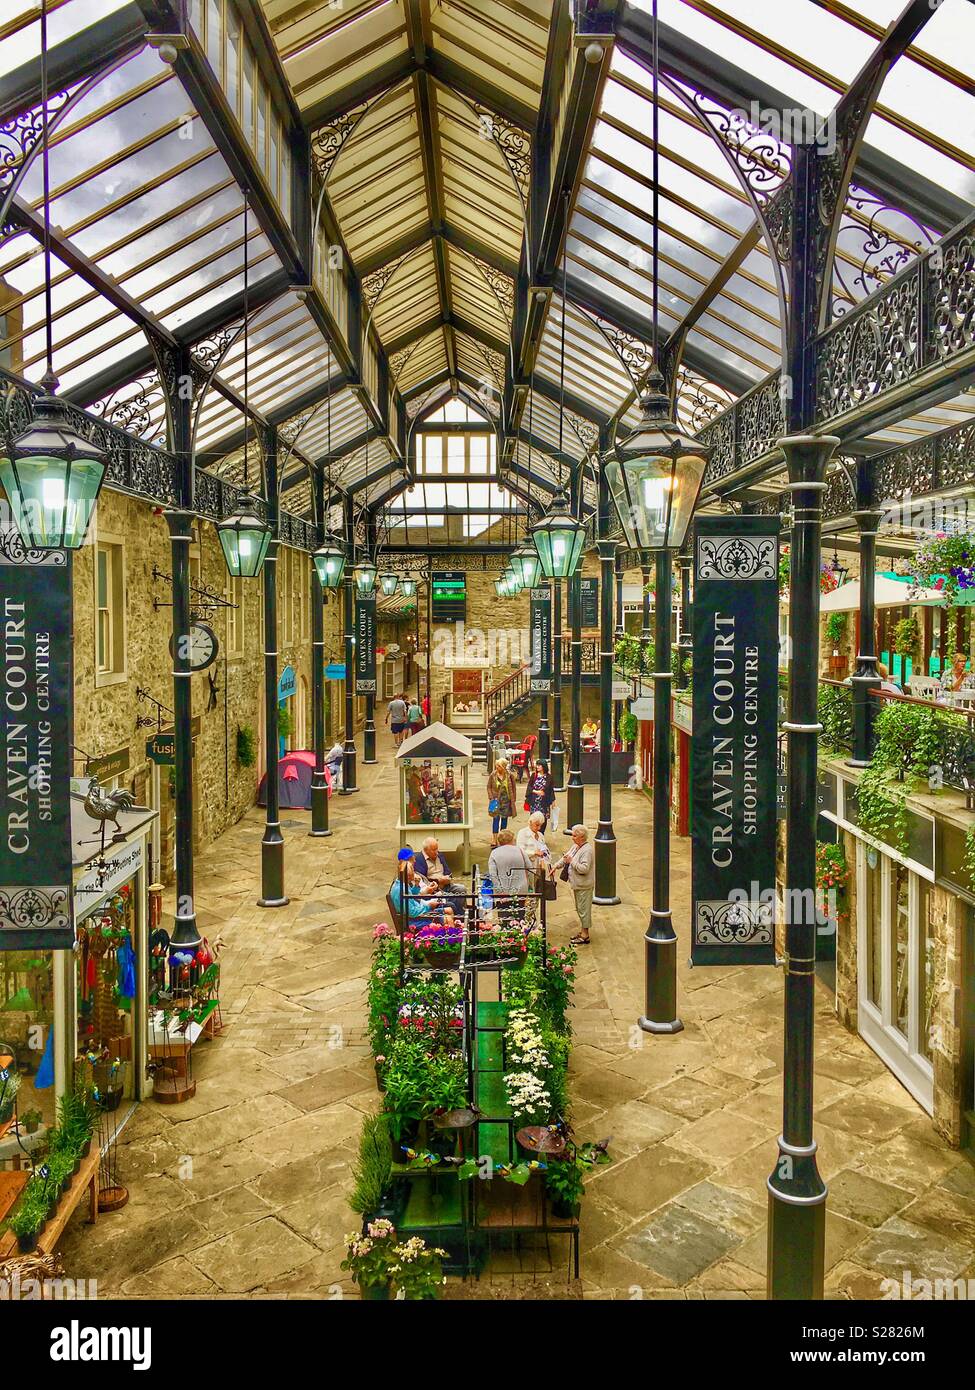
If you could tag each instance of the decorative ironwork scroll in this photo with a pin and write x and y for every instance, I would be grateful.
(328, 140)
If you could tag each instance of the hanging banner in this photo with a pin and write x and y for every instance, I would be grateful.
(589, 602)
(541, 640)
(735, 700)
(35, 747)
(365, 645)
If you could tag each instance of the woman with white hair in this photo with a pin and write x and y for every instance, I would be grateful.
(581, 865)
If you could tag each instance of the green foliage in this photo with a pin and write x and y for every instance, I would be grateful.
(632, 655)
(284, 721)
(910, 749)
(836, 624)
(246, 748)
(372, 1172)
(406, 1085)
(836, 717)
(382, 995)
(564, 1180)
(629, 726)
(968, 861)
(907, 638)
(446, 1083)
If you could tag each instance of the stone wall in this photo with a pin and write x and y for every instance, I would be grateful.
(946, 922)
(227, 697)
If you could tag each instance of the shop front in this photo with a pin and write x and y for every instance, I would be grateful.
(60, 1009)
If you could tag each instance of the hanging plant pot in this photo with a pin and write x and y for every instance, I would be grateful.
(565, 1211)
(111, 1098)
(27, 1242)
(442, 960)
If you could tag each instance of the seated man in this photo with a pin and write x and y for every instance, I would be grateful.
(430, 864)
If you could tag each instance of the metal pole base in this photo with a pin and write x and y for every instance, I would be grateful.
(575, 804)
(649, 1026)
(605, 895)
(272, 871)
(186, 933)
(660, 946)
(369, 744)
(319, 812)
(348, 771)
(557, 769)
(796, 1226)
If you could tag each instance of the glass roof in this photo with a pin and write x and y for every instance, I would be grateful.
(424, 122)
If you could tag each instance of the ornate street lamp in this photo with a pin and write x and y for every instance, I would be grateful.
(364, 574)
(244, 538)
(558, 538)
(388, 582)
(407, 587)
(52, 476)
(527, 566)
(656, 476)
(329, 561)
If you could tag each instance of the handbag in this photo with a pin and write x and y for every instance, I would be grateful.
(564, 875)
(548, 888)
(493, 806)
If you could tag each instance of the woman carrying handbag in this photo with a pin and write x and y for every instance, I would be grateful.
(501, 798)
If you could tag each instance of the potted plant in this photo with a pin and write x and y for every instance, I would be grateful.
(416, 1271)
(9, 1086)
(373, 1171)
(27, 1221)
(440, 946)
(405, 1098)
(369, 1257)
(907, 638)
(565, 1186)
(31, 1121)
(446, 1092)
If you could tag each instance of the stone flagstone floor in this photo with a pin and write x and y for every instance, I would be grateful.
(243, 1189)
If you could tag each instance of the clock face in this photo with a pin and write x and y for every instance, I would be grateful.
(203, 646)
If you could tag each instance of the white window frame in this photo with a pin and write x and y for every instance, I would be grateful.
(117, 672)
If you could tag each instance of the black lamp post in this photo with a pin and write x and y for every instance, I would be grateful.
(655, 479)
(619, 630)
(605, 844)
(685, 644)
(575, 792)
(327, 571)
(557, 768)
(797, 1193)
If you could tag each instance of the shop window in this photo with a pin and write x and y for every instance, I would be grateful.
(109, 611)
(26, 1018)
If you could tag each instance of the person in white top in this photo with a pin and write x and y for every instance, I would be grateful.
(531, 839)
(581, 864)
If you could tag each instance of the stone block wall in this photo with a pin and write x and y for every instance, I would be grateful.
(225, 698)
(946, 922)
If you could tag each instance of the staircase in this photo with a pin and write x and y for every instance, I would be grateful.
(504, 701)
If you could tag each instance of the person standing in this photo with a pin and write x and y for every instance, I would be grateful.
(501, 797)
(540, 792)
(396, 718)
(425, 707)
(581, 864)
(509, 867)
(414, 716)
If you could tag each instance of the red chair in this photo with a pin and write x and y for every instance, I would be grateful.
(522, 755)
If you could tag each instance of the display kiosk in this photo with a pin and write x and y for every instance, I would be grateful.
(434, 791)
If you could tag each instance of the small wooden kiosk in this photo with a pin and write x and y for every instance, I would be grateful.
(434, 791)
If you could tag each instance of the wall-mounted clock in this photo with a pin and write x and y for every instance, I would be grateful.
(203, 646)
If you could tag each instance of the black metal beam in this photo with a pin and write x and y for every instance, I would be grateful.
(710, 73)
(193, 331)
(74, 60)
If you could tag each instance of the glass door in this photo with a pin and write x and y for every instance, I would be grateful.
(895, 969)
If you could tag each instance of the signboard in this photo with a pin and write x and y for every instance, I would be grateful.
(94, 887)
(35, 747)
(287, 683)
(464, 681)
(589, 602)
(683, 716)
(622, 690)
(161, 747)
(540, 621)
(365, 645)
(335, 671)
(642, 707)
(449, 596)
(733, 759)
(109, 765)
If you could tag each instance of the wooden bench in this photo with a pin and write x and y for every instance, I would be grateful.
(85, 1178)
